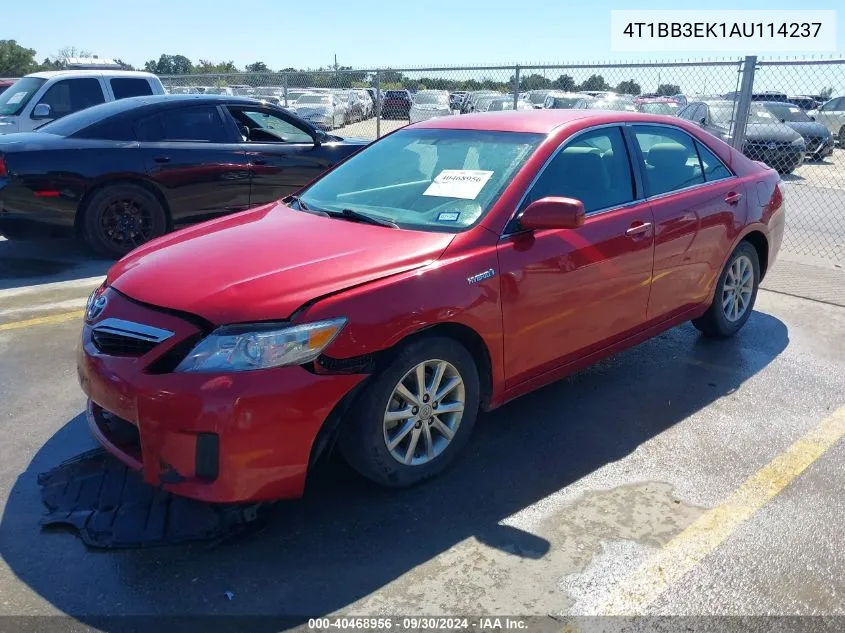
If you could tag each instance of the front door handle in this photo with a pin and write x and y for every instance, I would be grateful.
(733, 197)
(638, 229)
(162, 159)
(259, 161)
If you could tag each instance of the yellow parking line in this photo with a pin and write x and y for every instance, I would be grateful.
(45, 320)
(680, 555)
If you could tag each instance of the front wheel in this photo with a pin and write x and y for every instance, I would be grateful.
(842, 137)
(736, 292)
(121, 217)
(415, 416)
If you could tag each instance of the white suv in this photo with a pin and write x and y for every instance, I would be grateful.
(832, 116)
(38, 98)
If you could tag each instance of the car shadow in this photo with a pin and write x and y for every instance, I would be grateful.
(28, 263)
(346, 538)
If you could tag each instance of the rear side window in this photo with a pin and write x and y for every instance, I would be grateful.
(714, 169)
(201, 124)
(71, 95)
(124, 87)
(593, 168)
(670, 160)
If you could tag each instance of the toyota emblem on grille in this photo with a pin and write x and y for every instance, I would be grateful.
(96, 308)
(772, 146)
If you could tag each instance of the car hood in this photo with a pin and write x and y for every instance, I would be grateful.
(263, 264)
(809, 128)
(770, 132)
(26, 141)
(9, 124)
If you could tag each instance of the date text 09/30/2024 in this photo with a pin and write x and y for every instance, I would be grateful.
(417, 623)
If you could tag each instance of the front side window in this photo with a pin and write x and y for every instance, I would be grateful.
(670, 159)
(284, 131)
(432, 180)
(200, 124)
(593, 168)
(72, 95)
(124, 87)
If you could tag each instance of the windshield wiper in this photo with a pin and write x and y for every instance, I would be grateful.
(305, 208)
(363, 217)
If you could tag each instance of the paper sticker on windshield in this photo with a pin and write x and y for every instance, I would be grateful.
(448, 216)
(458, 183)
(16, 98)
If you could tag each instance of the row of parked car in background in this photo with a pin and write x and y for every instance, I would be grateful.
(782, 131)
(214, 150)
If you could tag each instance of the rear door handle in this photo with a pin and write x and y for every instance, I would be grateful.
(733, 197)
(162, 159)
(259, 161)
(638, 229)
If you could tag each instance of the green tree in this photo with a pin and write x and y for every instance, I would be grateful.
(257, 67)
(565, 83)
(15, 60)
(533, 82)
(667, 90)
(594, 82)
(630, 87)
(826, 93)
(170, 65)
(207, 67)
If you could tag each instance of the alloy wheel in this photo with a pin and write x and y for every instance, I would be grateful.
(126, 223)
(738, 288)
(424, 412)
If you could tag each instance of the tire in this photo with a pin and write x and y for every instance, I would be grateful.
(717, 321)
(364, 437)
(842, 137)
(118, 218)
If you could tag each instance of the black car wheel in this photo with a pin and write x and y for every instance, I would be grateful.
(842, 137)
(736, 292)
(415, 416)
(119, 218)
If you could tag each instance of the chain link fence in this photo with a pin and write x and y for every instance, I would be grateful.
(787, 113)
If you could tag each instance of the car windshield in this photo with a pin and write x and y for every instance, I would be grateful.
(217, 91)
(431, 98)
(564, 103)
(722, 113)
(426, 179)
(786, 112)
(537, 98)
(612, 104)
(16, 96)
(500, 104)
(313, 99)
(664, 107)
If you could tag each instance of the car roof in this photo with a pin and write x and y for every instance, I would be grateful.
(537, 121)
(49, 74)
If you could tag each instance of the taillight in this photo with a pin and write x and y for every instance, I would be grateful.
(3, 171)
(776, 200)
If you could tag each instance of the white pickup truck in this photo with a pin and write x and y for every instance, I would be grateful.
(38, 98)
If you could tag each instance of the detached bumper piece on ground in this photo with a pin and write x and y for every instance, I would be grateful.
(111, 507)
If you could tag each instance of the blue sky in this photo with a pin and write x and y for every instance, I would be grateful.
(306, 34)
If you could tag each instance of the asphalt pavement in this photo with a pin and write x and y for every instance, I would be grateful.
(561, 497)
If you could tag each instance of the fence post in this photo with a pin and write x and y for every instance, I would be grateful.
(516, 87)
(743, 104)
(378, 104)
(285, 87)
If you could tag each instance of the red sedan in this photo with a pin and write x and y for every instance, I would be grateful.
(447, 268)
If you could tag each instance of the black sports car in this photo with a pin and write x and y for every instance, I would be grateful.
(124, 172)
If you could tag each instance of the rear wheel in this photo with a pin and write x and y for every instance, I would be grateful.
(842, 137)
(415, 416)
(736, 292)
(119, 218)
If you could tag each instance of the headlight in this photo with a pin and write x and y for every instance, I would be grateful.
(260, 345)
(798, 142)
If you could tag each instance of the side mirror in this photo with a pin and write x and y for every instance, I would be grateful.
(812, 118)
(42, 111)
(553, 213)
(702, 120)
